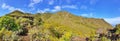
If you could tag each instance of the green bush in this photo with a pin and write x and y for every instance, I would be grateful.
(118, 29)
(55, 32)
(104, 39)
(8, 23)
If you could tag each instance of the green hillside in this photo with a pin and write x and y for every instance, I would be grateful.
(59, 26)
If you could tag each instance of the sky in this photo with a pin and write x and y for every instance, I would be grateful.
(109, 10)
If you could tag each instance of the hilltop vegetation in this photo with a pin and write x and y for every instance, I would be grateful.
(59, 26)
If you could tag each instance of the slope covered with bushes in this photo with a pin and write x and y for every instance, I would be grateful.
(59, 26)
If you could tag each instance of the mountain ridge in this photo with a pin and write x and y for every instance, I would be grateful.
(57, 26)
(72, 22)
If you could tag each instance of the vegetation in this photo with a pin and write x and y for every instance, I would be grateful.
(118, 29)
(8, 23)
(59, 26)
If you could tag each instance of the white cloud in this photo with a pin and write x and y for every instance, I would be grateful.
(33, 2)
(56, 8)
(43, 11)
(88, 15)
(51, 2)
(113, 21)
(70, 6)
(5, 6)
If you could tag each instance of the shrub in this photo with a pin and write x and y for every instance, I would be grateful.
(66, 37)
(104, 39)
(8, 23)
(118, 29)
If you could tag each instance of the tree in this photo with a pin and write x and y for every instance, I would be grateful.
(8, 23)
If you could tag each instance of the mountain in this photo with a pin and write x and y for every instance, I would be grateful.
(77, 23)
(59, 25)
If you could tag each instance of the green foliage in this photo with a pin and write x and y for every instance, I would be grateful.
(21, 21)
(105, 39)
(8, 23)
(55, 32)
(118, 29)
(8, 35)
(38, 21)
(93, 35)
(66, 37)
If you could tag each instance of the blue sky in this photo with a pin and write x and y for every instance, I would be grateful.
(107, 9)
